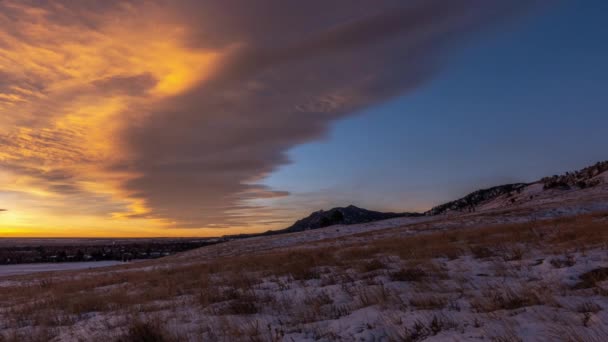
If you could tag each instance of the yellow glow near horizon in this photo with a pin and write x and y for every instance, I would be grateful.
(96, 228)
(58, 121)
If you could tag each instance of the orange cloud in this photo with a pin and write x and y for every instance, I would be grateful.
(131, 117)
(71, 79)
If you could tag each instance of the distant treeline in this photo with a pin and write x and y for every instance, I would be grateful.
(110, 251)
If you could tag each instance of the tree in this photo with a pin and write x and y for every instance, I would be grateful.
(337, 217)
(325, 222)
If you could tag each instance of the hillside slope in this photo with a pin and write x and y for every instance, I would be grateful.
(582, 183)
(346, 215)
(477, 276)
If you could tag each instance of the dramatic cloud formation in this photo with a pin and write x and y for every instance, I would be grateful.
(168, 113)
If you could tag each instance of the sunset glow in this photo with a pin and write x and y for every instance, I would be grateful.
(72, 89)
(205, 118)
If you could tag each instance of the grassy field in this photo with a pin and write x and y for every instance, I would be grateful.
(505, 282)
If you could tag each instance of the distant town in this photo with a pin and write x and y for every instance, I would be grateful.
(97, 250)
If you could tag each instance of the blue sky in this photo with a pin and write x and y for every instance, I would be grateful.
(159, 118)
(517, 102)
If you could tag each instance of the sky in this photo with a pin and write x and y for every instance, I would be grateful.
(190, 118)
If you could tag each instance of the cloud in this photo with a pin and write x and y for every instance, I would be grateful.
(136, 85)
(199, 152)
(179, 113)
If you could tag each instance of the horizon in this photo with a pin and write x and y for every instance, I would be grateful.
(176, 237)
(189, 120)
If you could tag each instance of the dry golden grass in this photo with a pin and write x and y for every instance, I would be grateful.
(506, 298)
(226, 286)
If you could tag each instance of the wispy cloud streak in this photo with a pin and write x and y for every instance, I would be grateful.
(175, 116)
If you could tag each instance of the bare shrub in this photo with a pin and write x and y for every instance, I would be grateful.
(420, 330)
(337, 311)
(589, 279)
(146, 331)
(588, 306)
(241, 307)
(318, 300)
(317, 306)
(242, 304)
(210, 295)
(513, 254)
(239, 330)
(409, 274)
(506, 299)
(80, 305)
(373, 295)
(482, 252)
(428, 302)
(372, 265)
(567, 261)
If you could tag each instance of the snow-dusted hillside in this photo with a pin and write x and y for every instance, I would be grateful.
(584, 185)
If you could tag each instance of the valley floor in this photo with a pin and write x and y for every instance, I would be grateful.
(492, 277)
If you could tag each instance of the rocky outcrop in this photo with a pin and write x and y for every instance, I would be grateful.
(582, 179)
(470, 202)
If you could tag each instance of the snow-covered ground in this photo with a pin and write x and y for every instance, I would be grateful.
(518, 273)
(499, 295)
(534, 196)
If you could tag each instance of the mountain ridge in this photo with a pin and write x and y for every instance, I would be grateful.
(489, 198)
(519, 193)
(342, 215)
